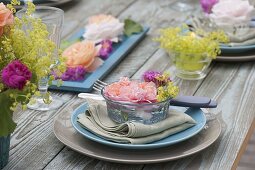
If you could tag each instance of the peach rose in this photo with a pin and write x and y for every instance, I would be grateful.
(80, 54)
(6, 17)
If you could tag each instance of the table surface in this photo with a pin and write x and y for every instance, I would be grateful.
(34, 145)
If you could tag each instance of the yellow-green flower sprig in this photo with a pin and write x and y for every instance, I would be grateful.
(167, 91)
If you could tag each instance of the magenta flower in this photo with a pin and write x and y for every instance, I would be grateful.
(73, 74)
(149, 76)
(15, 75)
(207, 5)
(160, 79)
(106, 49)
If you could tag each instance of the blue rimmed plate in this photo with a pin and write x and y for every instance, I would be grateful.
(236, 49)
(195, 113)
(120, 50)
(225, 49)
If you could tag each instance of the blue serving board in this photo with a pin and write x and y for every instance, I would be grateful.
(120, 50)
(195, 113)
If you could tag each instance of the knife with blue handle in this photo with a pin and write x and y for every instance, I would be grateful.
(193, 101)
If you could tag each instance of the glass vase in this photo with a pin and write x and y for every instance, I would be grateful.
(4, 150)
(191, 66)
(53, 18)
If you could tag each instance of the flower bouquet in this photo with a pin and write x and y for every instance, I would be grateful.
(25, 58)
(191, 52)
(103, 33)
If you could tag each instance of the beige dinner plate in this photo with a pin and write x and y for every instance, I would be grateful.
(69, 136)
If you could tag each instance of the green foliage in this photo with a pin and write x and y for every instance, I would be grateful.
(7, 125)
(131, 27)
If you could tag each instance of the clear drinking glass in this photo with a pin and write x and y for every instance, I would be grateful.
(53, 18)
(191, 66)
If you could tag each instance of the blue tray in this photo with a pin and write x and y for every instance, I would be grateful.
(195, 113)
(120, 50)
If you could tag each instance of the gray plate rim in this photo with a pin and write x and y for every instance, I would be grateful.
(90, 148)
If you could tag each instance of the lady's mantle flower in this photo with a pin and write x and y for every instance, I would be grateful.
(15, 75)
(207, 5)
(106, 49)
(103, 27)
(6, 17)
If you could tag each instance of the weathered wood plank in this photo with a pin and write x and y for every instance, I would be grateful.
(155, 16)
(76, 14)
(143, 54)
(234, 91)
(69, 159)
(33, 143)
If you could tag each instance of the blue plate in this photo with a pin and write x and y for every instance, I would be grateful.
(120, 50)
(236, 49)
(195, 113)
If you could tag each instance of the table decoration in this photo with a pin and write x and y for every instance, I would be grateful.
(65, 132)
(144, 101)
(236, 21)
(97, 121)
(22, 65)
(53, 19)
(191, 52)
(101, 32)
(101, 55)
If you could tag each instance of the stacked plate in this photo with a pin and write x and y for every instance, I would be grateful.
(182, 144)
(242, 40)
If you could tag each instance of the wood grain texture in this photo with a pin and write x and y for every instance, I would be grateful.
(34, 146)
(233, 90)
(246, 155)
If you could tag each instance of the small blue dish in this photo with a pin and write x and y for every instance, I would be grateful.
(195, 113)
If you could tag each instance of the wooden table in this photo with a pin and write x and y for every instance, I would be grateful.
(34, 146)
